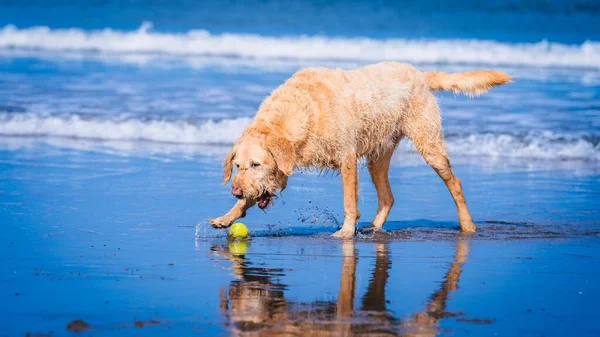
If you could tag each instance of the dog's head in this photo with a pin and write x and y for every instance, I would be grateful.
(263, 161)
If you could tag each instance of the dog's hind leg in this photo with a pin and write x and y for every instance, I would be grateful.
(426, 134)
(350, 185)
(379, 168)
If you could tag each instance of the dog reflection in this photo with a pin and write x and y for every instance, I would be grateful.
(255, 304)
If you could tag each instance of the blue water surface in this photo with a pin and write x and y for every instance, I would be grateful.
(110, 167)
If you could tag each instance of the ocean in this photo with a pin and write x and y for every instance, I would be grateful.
(116, 115)
(194, 73)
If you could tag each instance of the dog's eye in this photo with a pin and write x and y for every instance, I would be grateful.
(237, 166)
(255, 164)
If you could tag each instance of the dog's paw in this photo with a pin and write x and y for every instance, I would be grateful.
(467, 227)
(343, 234)
(220, 223)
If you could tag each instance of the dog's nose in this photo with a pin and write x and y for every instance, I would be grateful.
(237, 191)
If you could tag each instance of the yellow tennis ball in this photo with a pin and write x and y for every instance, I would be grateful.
(238, 230)
(238, 247)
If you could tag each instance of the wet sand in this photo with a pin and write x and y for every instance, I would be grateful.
(113, 245)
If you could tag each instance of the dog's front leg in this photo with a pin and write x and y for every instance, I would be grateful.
(237, 211)
(350, 186)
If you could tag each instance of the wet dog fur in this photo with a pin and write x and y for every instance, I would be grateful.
(330, 118)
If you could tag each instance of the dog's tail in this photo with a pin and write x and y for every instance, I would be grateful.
(472, 83)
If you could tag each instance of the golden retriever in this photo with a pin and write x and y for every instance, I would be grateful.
(330, 118)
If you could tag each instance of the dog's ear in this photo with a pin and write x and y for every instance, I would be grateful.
(284, 153)
(228, 167)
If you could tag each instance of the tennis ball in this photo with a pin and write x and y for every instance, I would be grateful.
(238, 247)
(238, 230)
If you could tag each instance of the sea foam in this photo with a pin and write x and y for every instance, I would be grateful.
(145, 40)
(183, 133)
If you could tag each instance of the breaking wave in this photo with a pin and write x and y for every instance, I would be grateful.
(202, 43)
(533, 145)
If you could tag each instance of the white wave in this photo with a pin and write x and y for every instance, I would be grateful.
(187, 136)
(203, 43)
(225, 131)
(536, 145)
(544, 145)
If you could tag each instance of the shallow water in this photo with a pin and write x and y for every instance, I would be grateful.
(115, 117)
(115, 241)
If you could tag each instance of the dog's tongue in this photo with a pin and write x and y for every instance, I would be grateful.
(264, 199)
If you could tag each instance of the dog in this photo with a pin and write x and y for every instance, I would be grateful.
(330, 118)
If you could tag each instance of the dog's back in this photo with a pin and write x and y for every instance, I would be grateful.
(366, 110)
(359, 110)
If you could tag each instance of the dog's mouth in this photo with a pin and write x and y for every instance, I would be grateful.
(264, 200)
